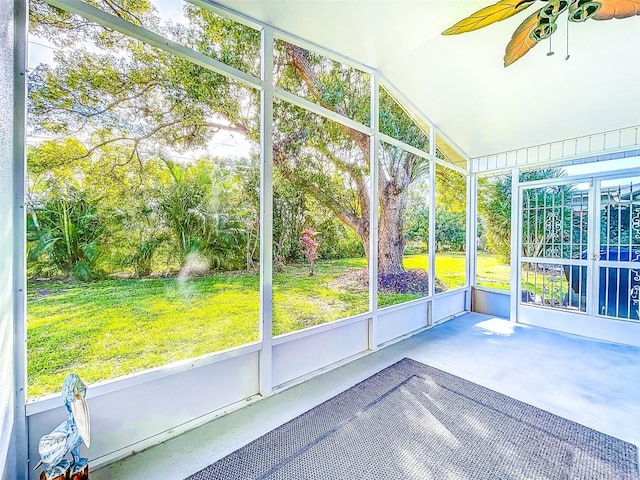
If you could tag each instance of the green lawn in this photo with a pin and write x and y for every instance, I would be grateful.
(111, 328)
(333, 292)
(450, 268)
(107, 329)
(492, 273)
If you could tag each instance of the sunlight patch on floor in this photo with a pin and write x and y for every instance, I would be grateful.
(497, 326)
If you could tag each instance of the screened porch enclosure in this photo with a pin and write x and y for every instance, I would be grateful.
(226, 201)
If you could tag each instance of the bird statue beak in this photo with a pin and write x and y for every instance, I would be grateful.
(81, 415)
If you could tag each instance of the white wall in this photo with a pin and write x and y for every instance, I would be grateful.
(449, 304)
(305, 352)
(7, 363)
(491, 302)
(399, 321)
(609, 330)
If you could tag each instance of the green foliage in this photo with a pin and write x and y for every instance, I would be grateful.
(54, 158)
(198, 209)
(142, 258)
(289, 207)
(293, 210)
(63, 235)
(338, 241)
(416, 218)
(494, 207)
(221, 38)
(450, 230)
(154, 214)
(136, 95)
(451, 189)
(395, 122)
(450, 215)
(338, 87)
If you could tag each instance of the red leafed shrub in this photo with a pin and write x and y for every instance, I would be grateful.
(310, 244)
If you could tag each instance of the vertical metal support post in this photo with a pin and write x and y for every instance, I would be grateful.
(516, 235)
(13, 69)
(374, 151)
(472, 234)
(432, 223)
(19, 235)
(266, 213)
(593, 247)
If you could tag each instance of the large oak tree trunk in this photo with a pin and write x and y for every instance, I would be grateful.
(391, 239)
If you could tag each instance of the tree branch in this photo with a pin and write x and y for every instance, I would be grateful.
(355, 174)
(281, 150)
(298, 60)
(144, 90)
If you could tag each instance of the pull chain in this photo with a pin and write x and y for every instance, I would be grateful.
(567, 57)
(550, 51)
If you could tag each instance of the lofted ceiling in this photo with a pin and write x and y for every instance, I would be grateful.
(459, 82)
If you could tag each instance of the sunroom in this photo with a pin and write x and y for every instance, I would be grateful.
(222, 214)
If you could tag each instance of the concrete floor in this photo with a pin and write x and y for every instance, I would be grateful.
(593, 383)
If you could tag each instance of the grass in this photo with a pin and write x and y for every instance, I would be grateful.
(301, 301)
(451, 267)
(492, 273)
(113, 328)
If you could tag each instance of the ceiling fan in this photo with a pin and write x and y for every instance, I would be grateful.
(543, 22)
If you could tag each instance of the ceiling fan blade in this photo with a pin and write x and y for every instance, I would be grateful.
(617, 9)
(522, 41)
(488, 15)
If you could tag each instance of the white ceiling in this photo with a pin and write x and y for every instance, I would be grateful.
(459, 82)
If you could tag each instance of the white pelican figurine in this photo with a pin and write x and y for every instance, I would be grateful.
(69, 435)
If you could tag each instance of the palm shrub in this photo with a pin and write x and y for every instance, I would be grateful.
(494, 207)
(200, 212)
(142, 257)
(63, 236)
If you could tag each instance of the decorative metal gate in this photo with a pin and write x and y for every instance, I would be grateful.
(581, 246)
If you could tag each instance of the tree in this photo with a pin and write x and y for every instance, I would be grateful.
(147, 100)
(289, 219)
(450, 230)
(336, 158)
